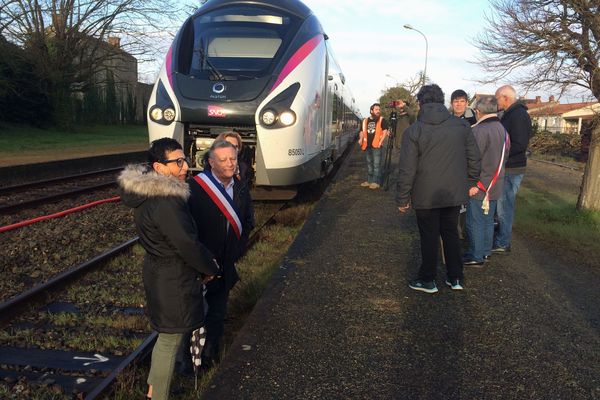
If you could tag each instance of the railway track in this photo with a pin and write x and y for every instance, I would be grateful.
(76, 333)
(41, 369)
(28, 195)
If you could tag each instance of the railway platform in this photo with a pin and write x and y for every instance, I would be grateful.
(338, 320)
(328, 324)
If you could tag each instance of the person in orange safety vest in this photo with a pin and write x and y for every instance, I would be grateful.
(374, 131)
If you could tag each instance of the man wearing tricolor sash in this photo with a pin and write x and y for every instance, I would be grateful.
(222, 209)
(493, 143)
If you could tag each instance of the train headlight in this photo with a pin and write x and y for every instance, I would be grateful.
(156, 114)
(287, 118)
(268, 117)
(169, 114)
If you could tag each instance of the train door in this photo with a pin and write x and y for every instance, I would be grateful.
(325, 108)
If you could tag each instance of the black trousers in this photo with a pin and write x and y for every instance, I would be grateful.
(214, 320)
(434, 223)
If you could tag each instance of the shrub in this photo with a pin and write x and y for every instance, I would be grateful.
(555, 143)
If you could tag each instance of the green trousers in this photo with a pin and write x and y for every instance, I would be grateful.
(163, 364)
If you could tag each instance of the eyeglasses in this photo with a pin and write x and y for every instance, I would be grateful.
(179, 161)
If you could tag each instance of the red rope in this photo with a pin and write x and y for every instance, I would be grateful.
(58, 214)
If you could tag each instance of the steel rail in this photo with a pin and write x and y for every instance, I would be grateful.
(62, 277)
(46, 199)
(28, 185)
(138, 354)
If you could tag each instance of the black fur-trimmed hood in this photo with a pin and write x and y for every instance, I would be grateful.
(137, 184)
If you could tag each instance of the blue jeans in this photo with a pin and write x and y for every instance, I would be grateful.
(506, 209)
(480, 230)
(373, 165)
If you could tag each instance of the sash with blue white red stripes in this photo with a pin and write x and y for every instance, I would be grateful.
(219, 196)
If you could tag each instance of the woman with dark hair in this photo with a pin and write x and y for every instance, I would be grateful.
(176, 264)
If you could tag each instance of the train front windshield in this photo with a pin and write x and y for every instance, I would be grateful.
(239, 42)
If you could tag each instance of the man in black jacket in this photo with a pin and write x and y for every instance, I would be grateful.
(517, 122)
(222, 208)
(439, 169)
(175, 260)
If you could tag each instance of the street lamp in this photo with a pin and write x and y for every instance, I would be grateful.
(408, 26)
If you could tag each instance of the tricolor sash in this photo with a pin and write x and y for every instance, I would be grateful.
(486, 202)
(219, 196)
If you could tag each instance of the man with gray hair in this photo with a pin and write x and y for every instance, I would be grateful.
(493, 143)
(221, 206)
(517, 122)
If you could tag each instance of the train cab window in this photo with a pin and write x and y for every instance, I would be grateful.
(242, 42)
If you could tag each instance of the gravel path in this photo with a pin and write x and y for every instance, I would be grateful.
(340, 322)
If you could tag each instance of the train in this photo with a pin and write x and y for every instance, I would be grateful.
(263, 69)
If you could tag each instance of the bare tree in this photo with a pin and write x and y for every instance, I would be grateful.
(414, 83)
(548, 44)
(67, 39)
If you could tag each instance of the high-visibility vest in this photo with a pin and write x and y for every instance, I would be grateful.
(379, 136)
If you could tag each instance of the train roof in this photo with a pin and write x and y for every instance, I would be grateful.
(295, 7)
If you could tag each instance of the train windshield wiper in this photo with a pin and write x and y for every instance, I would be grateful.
(204, 59)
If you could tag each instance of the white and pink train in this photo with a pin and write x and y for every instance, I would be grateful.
(263, 69)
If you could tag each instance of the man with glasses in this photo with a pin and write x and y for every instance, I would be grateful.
(176, 264)
(222, 208)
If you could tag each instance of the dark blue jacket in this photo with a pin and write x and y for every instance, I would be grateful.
(517, 122)
(212, 227)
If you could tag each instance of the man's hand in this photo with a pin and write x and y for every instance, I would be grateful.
(207, 279)
(473, 191)
(404, 209)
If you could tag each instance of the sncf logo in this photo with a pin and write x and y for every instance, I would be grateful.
(217, 112)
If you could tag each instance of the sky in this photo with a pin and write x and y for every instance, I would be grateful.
(375, 51)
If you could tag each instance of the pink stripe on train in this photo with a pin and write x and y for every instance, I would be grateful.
(169, 66)
(297, 58)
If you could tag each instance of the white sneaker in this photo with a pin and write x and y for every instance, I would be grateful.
(374, 186)
(365, 184)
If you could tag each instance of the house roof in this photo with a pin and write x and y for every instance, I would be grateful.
(557, 109)
(538, 108)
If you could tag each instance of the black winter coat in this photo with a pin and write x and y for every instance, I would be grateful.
(213, 232)
(517, 122)
(439, 160)
(175, 259)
